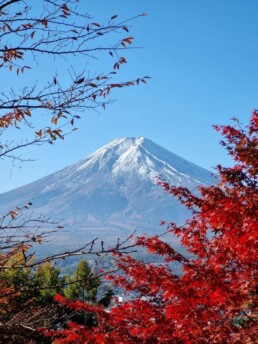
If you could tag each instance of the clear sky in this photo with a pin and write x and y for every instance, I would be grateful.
(202, 57)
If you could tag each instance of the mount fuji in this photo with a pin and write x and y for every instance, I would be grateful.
(113, 190)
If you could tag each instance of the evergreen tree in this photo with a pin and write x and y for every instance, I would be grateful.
(47, 276)
(82, 285)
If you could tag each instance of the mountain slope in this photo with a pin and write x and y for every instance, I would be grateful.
(114, 187)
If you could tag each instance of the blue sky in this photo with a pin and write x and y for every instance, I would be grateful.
(202, 58)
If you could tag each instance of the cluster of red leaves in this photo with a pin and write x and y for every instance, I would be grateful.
(214, 300)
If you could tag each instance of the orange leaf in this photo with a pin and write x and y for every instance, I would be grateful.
(92, 84)
(96, 24)
(39, 133)
(13, 214)
(54, 120)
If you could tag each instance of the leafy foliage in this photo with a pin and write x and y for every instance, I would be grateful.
(82, 285)
(214, 299)
(45, 277)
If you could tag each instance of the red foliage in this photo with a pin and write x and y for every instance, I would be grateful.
(214, 300)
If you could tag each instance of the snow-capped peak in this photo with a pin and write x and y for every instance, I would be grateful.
(138, 158)
(116, 185)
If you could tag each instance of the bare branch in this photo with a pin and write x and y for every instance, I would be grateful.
(8, 3)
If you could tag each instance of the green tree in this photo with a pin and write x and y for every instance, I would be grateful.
(48, 282)
(13, 280)
(16, 277)
(83, 284)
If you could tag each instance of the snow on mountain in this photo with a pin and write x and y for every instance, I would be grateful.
(114, 187)
(137, 156)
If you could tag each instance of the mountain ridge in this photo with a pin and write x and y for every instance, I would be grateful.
(115, 186)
